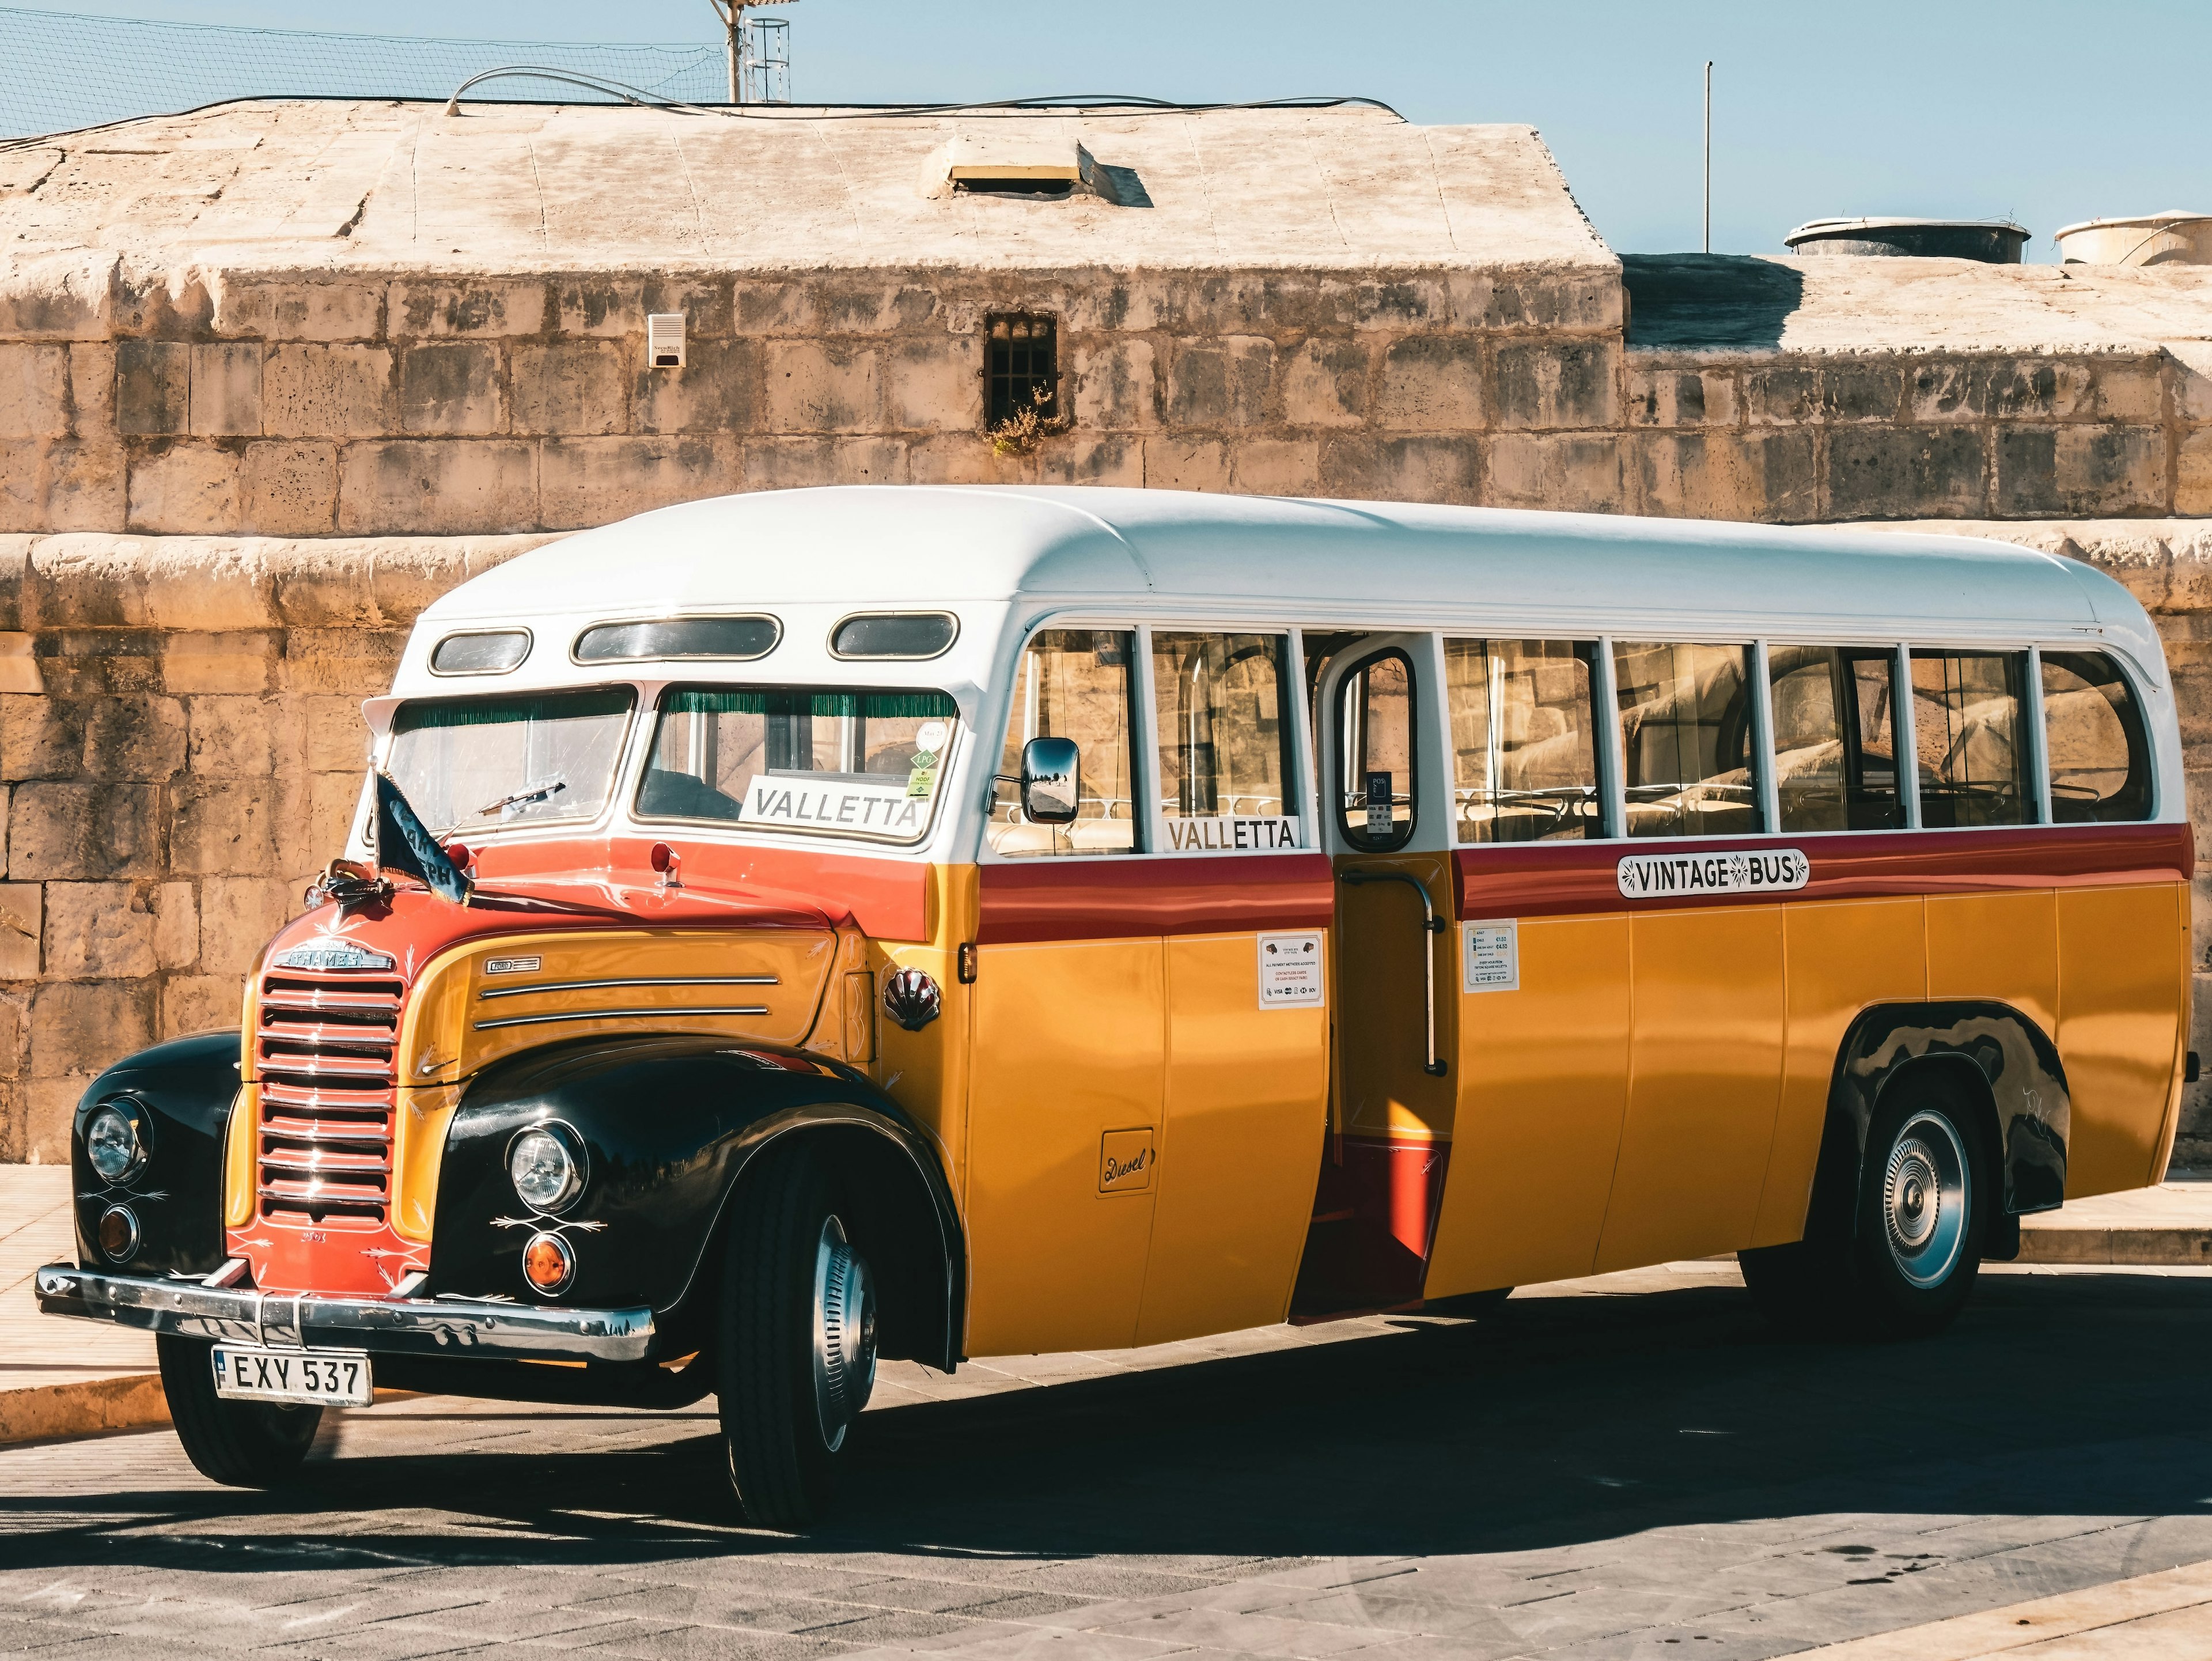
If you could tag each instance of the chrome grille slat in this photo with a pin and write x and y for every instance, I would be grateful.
(326, 1055)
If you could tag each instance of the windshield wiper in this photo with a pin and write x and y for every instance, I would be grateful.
(520, 798)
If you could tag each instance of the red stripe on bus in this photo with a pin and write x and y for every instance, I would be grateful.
(1110, 898)
(1556, 878)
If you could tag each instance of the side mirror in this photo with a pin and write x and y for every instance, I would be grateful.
(1050, 768)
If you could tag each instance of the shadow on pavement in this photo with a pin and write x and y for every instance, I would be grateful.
(1563, 1420)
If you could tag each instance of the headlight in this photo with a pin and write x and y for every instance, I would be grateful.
(112, 1143)
(547, 1165)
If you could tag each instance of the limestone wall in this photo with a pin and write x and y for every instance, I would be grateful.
(378, 405)
(361, 406)
(180, 744)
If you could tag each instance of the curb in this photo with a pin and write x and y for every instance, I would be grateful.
(2169, 1247)
(49, 1413)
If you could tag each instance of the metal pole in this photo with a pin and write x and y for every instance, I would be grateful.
(1709, 156)
(732, 13)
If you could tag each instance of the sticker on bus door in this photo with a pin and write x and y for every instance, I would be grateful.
(1490, 954)
(1290, 971)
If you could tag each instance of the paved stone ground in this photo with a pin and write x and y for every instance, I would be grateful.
(1625, 1467)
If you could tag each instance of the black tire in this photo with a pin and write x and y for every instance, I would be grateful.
(1903, 1270)
(1903, 1291)
(782, 1463)
(241, 1445)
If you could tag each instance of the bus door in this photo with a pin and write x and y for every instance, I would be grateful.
(1385, 822)
(1151, 1037)
(1243, 898)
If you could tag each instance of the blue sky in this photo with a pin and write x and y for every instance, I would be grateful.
(2045, 112)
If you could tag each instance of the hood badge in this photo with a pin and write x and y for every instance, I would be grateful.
(329, 953)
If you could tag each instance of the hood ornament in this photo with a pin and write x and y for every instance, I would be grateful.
(348, 883)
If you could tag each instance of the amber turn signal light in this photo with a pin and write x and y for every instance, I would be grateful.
(548, 1263)
(118, 1233)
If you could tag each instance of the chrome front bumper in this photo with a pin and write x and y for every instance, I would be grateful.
(399, 1326)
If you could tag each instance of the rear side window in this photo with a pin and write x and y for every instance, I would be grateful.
(1966, 728)
(1686, 739)
(1835, 749)
(2100, 768)
(1525, 755)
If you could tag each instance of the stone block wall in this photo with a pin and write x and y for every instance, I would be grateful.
(381, 405)
(1953, 434)
(181, 745)
(370, 406)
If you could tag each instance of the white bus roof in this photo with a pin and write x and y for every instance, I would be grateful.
(1168, 552)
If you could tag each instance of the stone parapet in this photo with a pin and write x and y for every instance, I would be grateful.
(181, 747)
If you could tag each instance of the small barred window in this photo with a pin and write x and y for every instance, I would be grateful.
(1021, 369)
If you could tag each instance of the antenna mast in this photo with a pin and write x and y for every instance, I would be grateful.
(759, 52)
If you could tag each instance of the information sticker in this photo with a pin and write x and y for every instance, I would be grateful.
(1490, 954)
(1290, 971)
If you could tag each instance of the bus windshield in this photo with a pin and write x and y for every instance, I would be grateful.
(474, 764)
(841, 764)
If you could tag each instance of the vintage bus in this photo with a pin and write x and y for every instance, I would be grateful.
(795, 928)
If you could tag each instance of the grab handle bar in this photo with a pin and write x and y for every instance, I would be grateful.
(1431, 924)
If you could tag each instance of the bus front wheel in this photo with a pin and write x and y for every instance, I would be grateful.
(241, 1445)
(798, 1343)
(1922, 1208)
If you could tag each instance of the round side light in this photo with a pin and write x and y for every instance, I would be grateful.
(548, 1263)
(118, 1234)
(113, 1144)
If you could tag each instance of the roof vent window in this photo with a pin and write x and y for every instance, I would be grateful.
(910, 635)
(731, 639)
(482, 652)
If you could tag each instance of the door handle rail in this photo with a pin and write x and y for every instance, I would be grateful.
(1433, 1065)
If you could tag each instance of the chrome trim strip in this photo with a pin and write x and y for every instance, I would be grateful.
(596, 986)
(612, 1015)
(421, 1326)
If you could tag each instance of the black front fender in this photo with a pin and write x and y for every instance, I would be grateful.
(668, 1125)
(182, 1091)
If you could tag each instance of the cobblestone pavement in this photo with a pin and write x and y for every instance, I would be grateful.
(1582, 1476)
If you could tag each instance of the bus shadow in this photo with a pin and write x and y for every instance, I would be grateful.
(1562, 1421)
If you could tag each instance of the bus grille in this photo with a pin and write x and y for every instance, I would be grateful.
(326, 1050)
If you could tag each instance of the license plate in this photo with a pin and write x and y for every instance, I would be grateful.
(326, 1377)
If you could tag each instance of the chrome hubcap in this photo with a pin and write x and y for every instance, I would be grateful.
(844, 1334)
(1924, 1199)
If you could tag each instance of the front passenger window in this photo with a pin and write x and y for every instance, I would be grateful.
(1071, 683)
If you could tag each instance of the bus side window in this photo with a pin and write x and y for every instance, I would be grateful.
(1375, 753)
(1835, 756)
(1524, 758)
(1223, 729)
(1686, 739)
(1071, 683)
(2093, 729)
(1966, 728)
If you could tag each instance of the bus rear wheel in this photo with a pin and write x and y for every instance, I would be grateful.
(241, 1445)
(798, 1343)
(1916, 1248)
